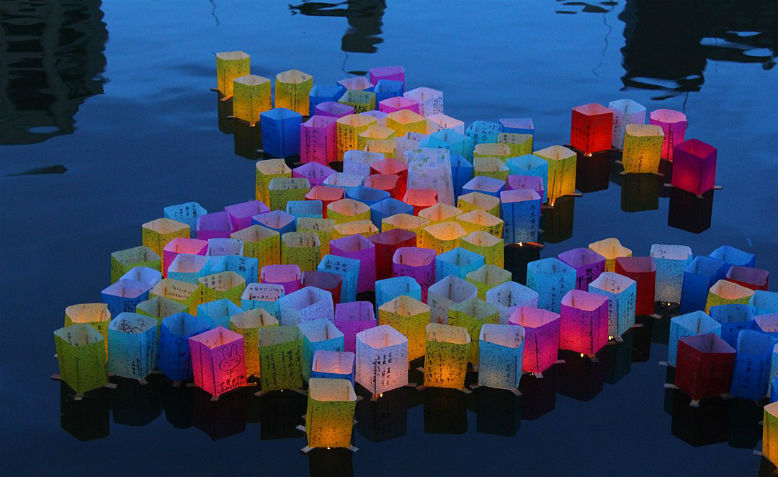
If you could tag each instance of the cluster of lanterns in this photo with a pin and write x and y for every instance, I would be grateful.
(403, 204)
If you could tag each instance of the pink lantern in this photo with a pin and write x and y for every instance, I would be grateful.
(420, 199)
(386, 182)
(326, 195)
(359, 248)
(319, 140)
(218, 360)
(749, 277)
(391, 73)
(694, 167)
(333, 109)
(588, 265)
(214, 225)
(398, 103)
(288, 276)
(584, 322)
(181, 245)
(353, 317)
(240, 214)
(417, 263)
(541, 338)
(673, 124)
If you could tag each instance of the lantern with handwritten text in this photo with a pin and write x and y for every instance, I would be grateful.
(229, 66)
(132, 345)
(447, 351)
(541, 337)
(690, 324)
(382, 359)
(81, 357)
(673, 124)
(552, 279)
(280, 358)
(218, 360)
(501, 353)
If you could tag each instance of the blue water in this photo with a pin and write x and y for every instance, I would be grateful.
(106, 117)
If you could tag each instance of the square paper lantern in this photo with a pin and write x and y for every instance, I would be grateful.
(642, 148)
(321, 93)
(455, 141)
(220, 285)
(387, 208)
(359, 162)
(440, 213)
(764, 302)
(733, 318)
(357, 83)
(445, 360)
(408, 222)
(230, 65)
(430, 168)
(251, 97)
(390, 288)
(362, 249)
(733, 256)
(561, 171)
(181, 245)
(587, 263)
(751, 377)
(367, 195)
(361, 101)
(347, 210)
(523, 181)
(221, 247)
(479, 200)
(509, 296)
(318, 334)
(698, 277)
(325, 195)
(479, 220)
(261, 243)
(643, 271)
(244, 266)
(305, 208)
(268, 170)
(292, 90)
(591, 128)
(281, 132)
(517, 125)
(621, 292)
(182, 292)
(770, 433)
(486, 245)
(218, 361)
(385, 245)
(157, 307)
(625, 111)
(441, 237)
(403, 121)
(302, 249)
(315, 172)
(387, 73)
(352, 318)
(552, 279)
(391, 167)
(348, 129)
(306, 304)
(472, 314)
(277, 220)
(122, 261)
(541, 337)
(81, 357)
(483, 131)
(484, 185)
(286, 275)
(186, 213)
(132, 345)
(174, 359)
(410, 142)
(530, 165)
(417, 263)
(670, 262)
(457, 262)
(430, 100)
(409, 316)
(501, 352)
(382, 359)
(333, 109)
(96, 315)
(248, 324)
(725, 293)
(445, 293)
(420, 199)
(284, 189)
(327, 281)
(375, 132)
(690, 324)
(346, 267)
(214, 225)
(383, 146)
(343, 181)
(519, 144)
(362, 227)
(330, 413)
(157, 233)
(319, 140)
(189, 268)
(705, 366)
(493, 149)
(240, 214)
(753, 278)
(385, 89)
(280, 358)
(398, 103)
(219, 312)
(584, 322)
(124, 295)
(673, 124)
(333, 365)
(490, 167)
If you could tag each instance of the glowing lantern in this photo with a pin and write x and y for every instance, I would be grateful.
(221, 247)
(343, 181)
(322, 93)
(399, 103)
(497, 150)
(357, 83)
(673, 124)
(486, 245)
(625, 112)
(261, 243)
(123, 261)
(479, 220)
(280, 358)
(361, 101)
(391, 167)
(733, 319)
(218, 312)
(484, 132)
(492, 167)
(267, 171)
(315, 172)
(698, 277)
(132, 345)
(362, 249)
(157, 307)
(144, 275)
(705, 366)
(518, 144)
(229, 66)
(764, 302)
(375, 132)
(186, 213)
(642, 148)
(670, 261)
(281, 131)
(448, 123)
(352, 318)
(383, 146)
(409, 316)
(455, 141)
(318, 334)
(362, 227)
(552, 279)
(306, 304)
(420, 199)
(220, 285)
(403, 121)
(561, 171)
(770, 433)
(333, 109)
(591, 128)
(522, 181)
(417, 263)
(385, 244)
(251, 98)
(385, 89)
(643, 271)
(485, 185)
(410, 142)
(520, 209)
(174, 355)
(347, 210)
(302, 249)
(305, 208)
(187, 294)
(240, 214)
(621, 292)
(245, 267)
(441, 237)
(472, 314)
(509, 296)
(248, 324)
(611, 249)
(387, 73)
(457, 262)
(733, 256)
(286, 275)
(382, 359)
(690, 324)
(487, 277)
(584, 322)
(501, 352)
(157, 233)
(440, 213)
(694, 167)
(81, 357)
(406, 222)
(541, 337)
(325, 195)
(277, 220)
(367, 195)
(348, 268)
(284, 189)
(213, 225)
(218, 360)
(445, 360)
(124, 295)
(529, 165)
(430, 169)
(724, 293)
(479, 201)
(292, 90)
(333, 365)
(751, 377)
(327, 281)
(387, 183)
(445, 293)
(189, 268)
(430, 100)
(753, 278)
(587, 263)
(358, 162)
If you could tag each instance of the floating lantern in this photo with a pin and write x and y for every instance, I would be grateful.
(305, 208)
(388, 183)
(479, 200)
(220, 285)
(430, 100)
(495, 149)
(486, 245)
(266, 171)
(390, 167)
(348, 268)
(611, 249)
(591, 128)
(454, 140)
(764, 302)
(248, 324)
(124, 295)
(327, 281)
(417, 263)
(625, 112)
(322, 93)
(175, 359)
(286, 275)
(457, 262)
(733, 319)
(753, 278)
(385, 89)
(733, 256)
(386, 243)
(698, 277)
(770, 433)
(441, 237)
(218, 361)
(670, 261)
(244, 266)
(472, 314)
(690, 324)
(552, 279)
(522, 181)
(301, 248)
(186, 213)
(673, 124)
(361, 101)
(318, 334)
(189, 268)
(333, 109)
(587, 263)
(561, 171)
(81, 357)
(420, 199)
(382, 359)
(501, 352)
(261, 243)
(485, 185)
(705, 366)
(643, 271)
(751, 377)
(363, 227)
(229, 66)
(399, 103)
(440, 213)
(132, 342)
(359, 162)
(325, 195)
(343, 181)
(584, 322)
(517, 125)
(347, 210)
(445, 293)
(430, 168)
(348, 129)
(280, 358)
(157, 233)
(96, 315)
(352, 318)
(484, 132)
(529, 165)
(374, 132)
(493, 167)
(251, 98)
(388, 73)
(461, 173)
(292, 90)
(213, 225)
(315, 172)
(333, 365)
(306, 304)
(157, 307)
(410, 142)
(519, 144)
(445, 360)
(221, 247)
(367, 195)
(240, 214)
(405, 120)
(383, 146)
(218, 312)
(406, 222)
(509, 296)
(642, 148)
(541, 337)
(281, 131)
(182, 292)
(479, 220)
(357, 83)
(277, 220)
(409, 316)
(724, 293)
(362, 249)
(622, 296)
(284, 189)
(379, 116)
(520, 209)
(330, 413)
(122, 261)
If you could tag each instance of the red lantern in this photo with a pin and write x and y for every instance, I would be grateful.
(705, 365)
(386, 243)
(591, 128)
(643, 271)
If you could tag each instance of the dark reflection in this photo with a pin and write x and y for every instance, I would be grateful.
(364, 20)
(581, 377)
(385, 418)
(766, 468)
(135, 404)
(497, 411)
(745, 430)
(51, 61)
(660, 331)
(517, 256)
(223, 114)
(224, 417)
(689, 212)
(331, 462)
(281, 412)
(641, 338)
(538, 395)
(88, 418)
(445, 411)
(592, 173)
(557, 221)
(247, 140)
(618, 357)
(640, 192)
(703, 425)
(178, 403)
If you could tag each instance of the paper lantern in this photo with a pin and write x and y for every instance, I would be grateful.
(764, 302)
(382, 359)
(587, 263)
(501, 352)
(541, 337)
(361, 101)
(218, 312)
(81, 357)
(281, 131)
(305, 208)
(96, 315)
(487, 277)
(552, 279)
(405, 120)
(611, 249)
(330, 413)
(333, 365)
(306, 304)
(417, 263)
(321, 93)
(220, 285)
(348, 129)
(770, 433)
(479, 220)
(445, 293)
(268, 170)
(347, 210)
(132, 345)
(753, 278)
(251, 98)
(277, 220)
(642, 148)
(440, 213)
(302, 249)
(186, 213)
(733, 319)
(318, 334)
(174, 355)
(333, 109)
(446, 357)
(385, 89)
(523, 181)
(315, 172)
(529, 165)
(318, 140)
(690, 324)
(325, 195)
(472, 314)
(182, 245)
(229, 66)
(584, 322)
(390, 73)
(698, 277)
(484, 131)
(352, 318)
(670, 261)
(327, 281)
(292, 90)
(367, 195)
(517, 125)
(420, 199)
(486, 245)
(441, 237)
(621, 292)
(485, 185)
(430, 100)
(362, 249)
(457, 262)
(157, 307)
(182, 292)
(375, 132)
(694, 167)
(248, 324)
(157, 233)
(123, 261)
(455, 141)
(643, 271)
(461, 173)
(509, 296)
(733, 256)
(561, 171)
(261, 243)
(430, 168)
(705, 366)
(390, 167)
(358, 162)
(286, 275)
(399, 103)
(673, 124)
(245, 267)
(280, 358)
(750, 379)
(495, 149)
(284, 189)
(221, 247)
(383, 146)
(348, 268)
(591, 128)
(386, 208)
(240, 214)
(189, 268)
(492, 167)
(409, 316)
(479, 201)
(518, 144)
(724, 293)
(213, 225)
(124, 295)
(361, 227)
(358, 83)
(344, 182)
(411, 223)
(218, 361)
(625, 112)
(410, 142)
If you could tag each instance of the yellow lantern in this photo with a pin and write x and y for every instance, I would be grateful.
(440, 212)
(347, 210)
(248, 324)
(182, 292)
(405, 222)
(642, 148)
(157, 233)
(442, 237)
(490, 166)
(410, 317)
(221, 285)
(487, 277)
(251, 98)
(487, 245)
(324, 229)
(770, 433)
(268, 170)
(519, 144)
(95, 315)
(471, 315)
(561, 171)
(261, 243)
(446, 356)
(479, 220)
(329, 417)
(383, 146)
(302, 249)
(230, 65)
(293, 88)
(479, 200)
(492, 149)
(373, 133)
(611, 249)
(724, 292)
(349, 127)
(405, 121)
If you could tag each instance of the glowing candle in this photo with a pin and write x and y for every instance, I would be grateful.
(690, 324)
(625, 111)
(705, 366)
(501, 352)
(382, 359)
(132, 345)
(724, 292)
(611, 249)
(408, 316)
(280, 358)
(362, 249)
(509, 296)
(552, 279)
(287, 276)
(673, 124)
(561, 171)
(261, 243)
(447, 351)
(621, 292)
(292, 90)
(266, 171)
(248, 324)
(445, 293)
(348, 268)
(457, 262)
(229, 66)
(186, 213)
(81, 357)
(281, 131)
(541, 339)
(319, 334)
(352, 318)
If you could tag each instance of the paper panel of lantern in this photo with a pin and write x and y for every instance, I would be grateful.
(287, 276)
(409, 316)
(518, 144)
(479, 220)
(132, 345)
(219, 311)
(446, 356)
(186, 212)
(430, 100)
(673, 124)
(625, 111)
(324, 229)
(492, 167)
(520, 210)
(305, 208)
(417, 263)
(292, 90)
(358, 162)
(484, 131)
(306, 304)
(561, 171)
(323, 93)
(330, 413)
(541, 337)
(348, 129)
(704, 366)
(318, 334)
(124, 295)
(621, 292)
(457, 262)
(382, 359)
(670, 262)
(479, 200)
(248, 324)
(229, 66)
(764, 302)
(352, 318)
(218, 360)
(753, 278)
(733, 256)
(587, 263)
(698, 277)
(445, 293)
(158, 308)
(390, 288)
(690, 324)
(387, 208)
(261, 243)
(472, 314)
(333, 365)
(552, 279)
(584, 322)
(440, 213)
(123, 261)
(430, 168)
(81, 357)
(240, 214)
(361, 227)
(181, 245)
(268, 170)
(485, 185)
(318, 140)
(146, 276)
(529, 165)
(751, 378)
(220, 285)
(189, 268)
(96, 315)
(361, 101)
(501, 352)
(315, 172)
(733, 319)
(281, 132)
(280, 358)
(362, 249)
(509, 296)
(157, 233)
(302, 249)
(642, 148)
(643, 271)
(456, 142)
(591, 128)
(327, 281)
(251, 97)
(724, 292)
(281, 190)
(487, 277)
(611, 249)
(182, 292)
(348, 268)
(441, 237)
(385, 245)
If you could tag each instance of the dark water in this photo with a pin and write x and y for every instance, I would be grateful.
(106, 117)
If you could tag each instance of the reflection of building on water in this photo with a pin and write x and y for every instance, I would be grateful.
(51, 60)
(364, 21)
(668, 42)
